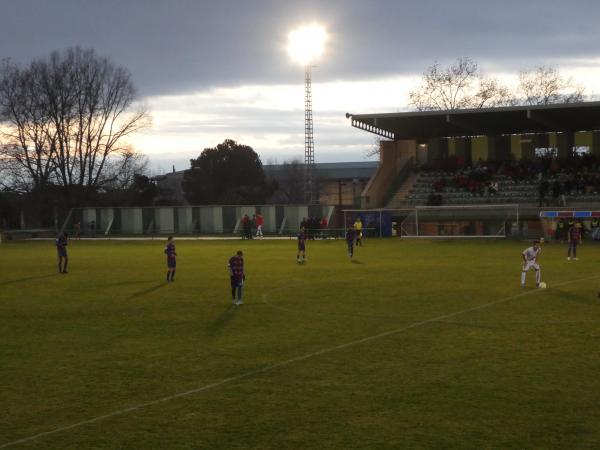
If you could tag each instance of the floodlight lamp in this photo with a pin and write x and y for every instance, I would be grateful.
(307, 43)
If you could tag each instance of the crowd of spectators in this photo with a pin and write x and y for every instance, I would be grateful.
(555, 178)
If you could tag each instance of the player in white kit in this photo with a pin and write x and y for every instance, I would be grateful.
(530, 256)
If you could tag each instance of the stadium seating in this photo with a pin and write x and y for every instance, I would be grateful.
(427, 189)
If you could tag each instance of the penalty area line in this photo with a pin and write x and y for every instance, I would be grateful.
(280, 364)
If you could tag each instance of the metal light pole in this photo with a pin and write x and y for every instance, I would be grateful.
(310, 196)
(306, 44)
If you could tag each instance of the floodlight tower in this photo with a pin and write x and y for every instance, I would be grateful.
(306, 44)
(310, 196)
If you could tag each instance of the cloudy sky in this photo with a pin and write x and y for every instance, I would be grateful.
(212, 70)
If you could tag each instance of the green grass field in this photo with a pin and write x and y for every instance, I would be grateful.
(416, 344)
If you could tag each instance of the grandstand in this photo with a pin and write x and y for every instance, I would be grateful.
(513, 148)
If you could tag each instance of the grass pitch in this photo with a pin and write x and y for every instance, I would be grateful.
(416, 344)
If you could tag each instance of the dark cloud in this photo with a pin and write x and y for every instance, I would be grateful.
(176, 46)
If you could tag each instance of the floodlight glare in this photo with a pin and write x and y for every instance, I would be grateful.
(307, 43)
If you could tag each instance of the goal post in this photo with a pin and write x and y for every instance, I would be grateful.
(469, 221)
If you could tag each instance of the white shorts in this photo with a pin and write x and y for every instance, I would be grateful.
(531, 265)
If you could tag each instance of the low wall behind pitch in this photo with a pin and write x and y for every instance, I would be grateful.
(225, 219)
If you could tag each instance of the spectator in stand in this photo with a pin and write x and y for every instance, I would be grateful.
(556, 191)
(493, 188)
(568, 185)
(542, 190)
(596, 183)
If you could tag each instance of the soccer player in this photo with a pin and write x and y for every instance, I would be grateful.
(61, 249)
(301, 246)
(358, 226)
(530, 256)
(350, 236)
(171, 259)
(237, 276)
(574, 237)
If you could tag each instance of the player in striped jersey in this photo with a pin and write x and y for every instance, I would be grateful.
(350, 237)
(61, 249)
(530, 256)
(301, 246)
(171, 259)
(237, 276)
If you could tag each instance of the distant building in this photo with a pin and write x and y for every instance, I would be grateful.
(339, 184)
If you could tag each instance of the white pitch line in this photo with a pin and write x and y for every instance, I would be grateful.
(280, 364)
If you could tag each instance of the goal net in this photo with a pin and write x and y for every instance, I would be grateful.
(482, 221)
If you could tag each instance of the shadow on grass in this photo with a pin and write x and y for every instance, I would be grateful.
(590, 300)
(221, 321)
(147, 291)
(127, 283)
(22, 280)
(354, 261)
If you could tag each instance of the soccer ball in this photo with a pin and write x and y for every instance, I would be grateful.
(543, 285)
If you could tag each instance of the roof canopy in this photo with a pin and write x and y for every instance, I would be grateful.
(567, 117)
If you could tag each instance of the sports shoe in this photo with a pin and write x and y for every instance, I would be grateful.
(568, 258)
(576, 259)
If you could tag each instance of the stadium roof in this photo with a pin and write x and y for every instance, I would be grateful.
(567, 117)
(331, 171)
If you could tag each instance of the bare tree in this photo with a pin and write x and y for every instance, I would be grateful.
(120, 172)
(460, 85)
(68, 117)
(545, 85)
(374, 148)
(29, 144)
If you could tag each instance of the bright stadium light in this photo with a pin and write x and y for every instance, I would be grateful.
(307, 43)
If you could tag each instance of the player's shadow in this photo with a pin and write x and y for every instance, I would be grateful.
(127, 283)
(22, 280)
(221, 321)
(147, 291)
(590, 300)
(354, 261)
